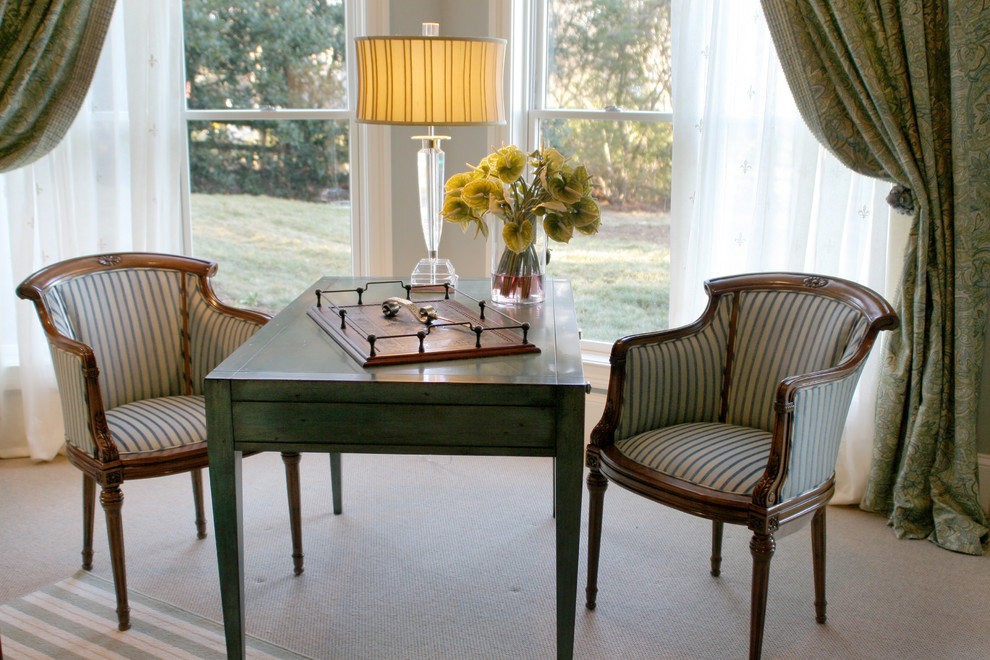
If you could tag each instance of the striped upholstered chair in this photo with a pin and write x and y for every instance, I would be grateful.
(737, 417)
(132, 337)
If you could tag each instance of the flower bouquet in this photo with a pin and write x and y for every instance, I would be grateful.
(556, 199)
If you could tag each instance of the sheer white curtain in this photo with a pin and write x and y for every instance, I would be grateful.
(111, 185)
(754, 191)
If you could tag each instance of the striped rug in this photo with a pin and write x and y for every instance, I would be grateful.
(75, 618)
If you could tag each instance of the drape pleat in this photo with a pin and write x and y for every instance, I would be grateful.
(899, 89)
(50, 50)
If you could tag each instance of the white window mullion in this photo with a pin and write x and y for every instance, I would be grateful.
(371, 155)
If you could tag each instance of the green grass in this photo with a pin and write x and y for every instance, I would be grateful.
(626, 292)
(270, 249)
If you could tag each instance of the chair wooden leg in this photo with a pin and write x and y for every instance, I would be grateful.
(818, 559)
(112, 499)
(197, 484)
(596, 500)
(335, 473)
(291, 460)
(89, 510)
(762, 547)
(717, 527)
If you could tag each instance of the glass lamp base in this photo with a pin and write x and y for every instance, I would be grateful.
(434, 271)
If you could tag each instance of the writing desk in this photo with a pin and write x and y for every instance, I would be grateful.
(292, 388)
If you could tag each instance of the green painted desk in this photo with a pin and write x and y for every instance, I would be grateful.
(292, 388)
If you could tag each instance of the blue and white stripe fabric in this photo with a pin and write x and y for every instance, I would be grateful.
(673, 392)
(135, 321)
(72, 394)
(132, 319)
(162, 423)
(675, 381)
(780, 334)
(213, 335)
(726, 458)
(819, 417)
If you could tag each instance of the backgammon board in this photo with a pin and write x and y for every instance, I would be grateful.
(437, 323)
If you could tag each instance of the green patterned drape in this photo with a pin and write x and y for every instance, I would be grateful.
(900, 90)
(50, 50)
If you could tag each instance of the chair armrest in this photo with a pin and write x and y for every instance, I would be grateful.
(663, 378)
(811, 416)
(216, 331)
(83, 413)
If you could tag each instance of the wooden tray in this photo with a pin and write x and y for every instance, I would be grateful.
(373, 339)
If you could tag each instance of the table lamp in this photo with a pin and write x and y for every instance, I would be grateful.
(430, 81)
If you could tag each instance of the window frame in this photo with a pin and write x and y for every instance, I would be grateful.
(596, 352)
(370, 230)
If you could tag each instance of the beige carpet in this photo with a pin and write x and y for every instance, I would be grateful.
(452, 557)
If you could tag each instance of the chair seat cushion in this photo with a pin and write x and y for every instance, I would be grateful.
(722, 457)
(162, 423)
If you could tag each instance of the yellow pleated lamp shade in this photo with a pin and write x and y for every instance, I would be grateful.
(430, 81)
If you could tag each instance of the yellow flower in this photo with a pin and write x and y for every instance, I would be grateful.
(557, 193)
(458, 181)
(455, 209)
(477, 193)
(518, 235)
(591, 228)
(566, 189)
(508, 163)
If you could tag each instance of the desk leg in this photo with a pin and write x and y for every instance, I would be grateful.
(568, 470)
(225, 486)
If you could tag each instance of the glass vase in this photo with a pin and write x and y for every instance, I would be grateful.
(517, 278)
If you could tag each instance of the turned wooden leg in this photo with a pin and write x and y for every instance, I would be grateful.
(762, 547)
(291, 460)
(112, 499)
(338, 502)
(596, 499)
(89, 509)
(197, 484)
(818, 560)
(717, 527)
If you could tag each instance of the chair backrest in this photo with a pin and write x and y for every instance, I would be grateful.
(780, 332)
(134, 320)
(757, 330)
(148, 324)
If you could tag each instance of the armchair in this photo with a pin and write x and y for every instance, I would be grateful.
(132, 337)
(737, 417)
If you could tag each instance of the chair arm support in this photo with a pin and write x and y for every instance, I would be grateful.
(222, 334)
(215, 331)
(83, 413)
(811, 415)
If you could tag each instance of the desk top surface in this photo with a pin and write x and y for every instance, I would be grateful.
(292, 346)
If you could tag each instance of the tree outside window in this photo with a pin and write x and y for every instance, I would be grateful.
(268, 143)
(604, 97)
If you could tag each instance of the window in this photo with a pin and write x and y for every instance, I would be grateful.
(602, 95)
(268, 144)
